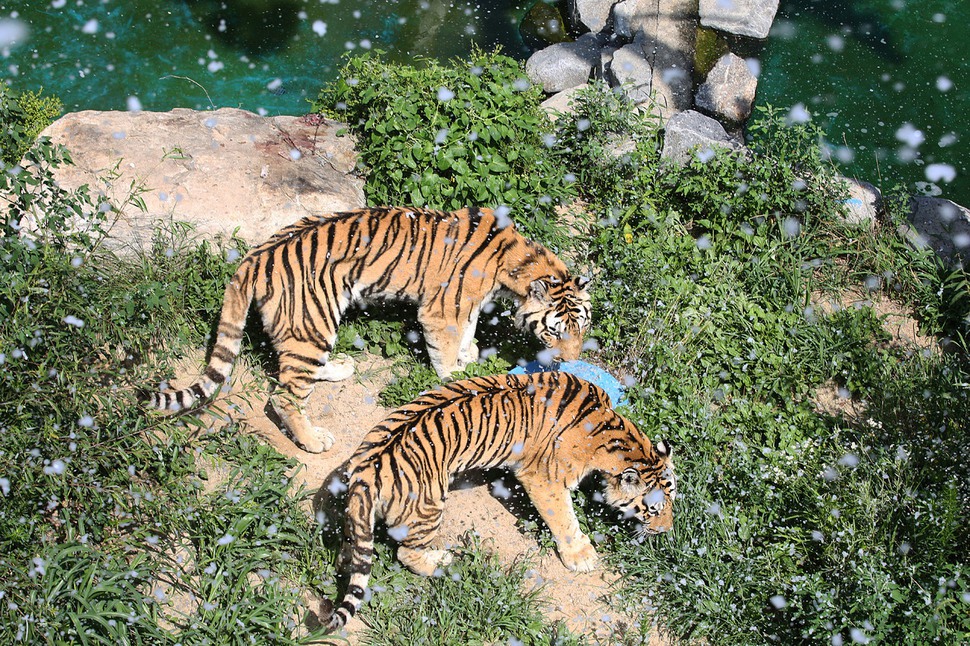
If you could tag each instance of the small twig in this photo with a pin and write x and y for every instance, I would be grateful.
(186, 78)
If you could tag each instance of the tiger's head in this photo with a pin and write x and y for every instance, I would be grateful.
(646, 489)
(558, 313)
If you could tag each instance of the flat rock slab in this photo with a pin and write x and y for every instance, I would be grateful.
(223, 171)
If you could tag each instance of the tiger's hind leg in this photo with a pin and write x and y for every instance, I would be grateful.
(421, 530)
(450, 340)
(301, 366)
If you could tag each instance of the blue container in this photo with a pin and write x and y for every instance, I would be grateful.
(583, 370)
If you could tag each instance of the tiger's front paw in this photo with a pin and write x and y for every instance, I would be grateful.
(337, 368)
(424, 561)
(468, 355)
(319, 441)
(579, 556)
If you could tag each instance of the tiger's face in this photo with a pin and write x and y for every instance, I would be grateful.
(646, 491)
(558, 313)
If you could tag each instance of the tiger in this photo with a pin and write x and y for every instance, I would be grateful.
(551, 429)
(451, 264)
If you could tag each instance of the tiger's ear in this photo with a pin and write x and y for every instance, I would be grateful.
(582, 282)
(663, 448)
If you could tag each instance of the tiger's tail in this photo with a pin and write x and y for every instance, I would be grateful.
(232, 320)
(358, 552)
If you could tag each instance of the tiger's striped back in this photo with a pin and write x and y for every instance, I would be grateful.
(450, 263)
(550, 429)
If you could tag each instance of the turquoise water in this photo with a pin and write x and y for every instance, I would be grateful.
(268, 56)
(889, 80)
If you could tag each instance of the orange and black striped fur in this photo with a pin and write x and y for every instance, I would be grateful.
(305, 276)
(551, 429)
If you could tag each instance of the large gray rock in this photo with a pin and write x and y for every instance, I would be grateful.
(632, 17)
(594, 14)
(692, 135)
(941, 225)
(742, 17)
(630, 69)
(221, 171)
(564, 65)
(728, 92)
(663, 35)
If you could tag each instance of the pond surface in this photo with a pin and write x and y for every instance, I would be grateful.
(889, 80)
(268, 56)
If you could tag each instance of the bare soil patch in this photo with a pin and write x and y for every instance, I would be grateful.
(897, 320)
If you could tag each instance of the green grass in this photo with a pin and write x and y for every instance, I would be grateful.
(476, 600)
(793, 525)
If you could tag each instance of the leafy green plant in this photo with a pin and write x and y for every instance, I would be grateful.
(22, 118)
(450, 136)
(606, 142)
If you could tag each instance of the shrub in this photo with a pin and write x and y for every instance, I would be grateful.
(22, 117)
(450, 136)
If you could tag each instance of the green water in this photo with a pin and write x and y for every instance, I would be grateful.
(888, 80)
(268, 56)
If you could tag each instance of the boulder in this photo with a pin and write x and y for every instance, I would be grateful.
(594, 14)
(690, 134)
(223, 171)
(564, 65)
(863, 204)
(560, 102)
(742, 17)
(630, 70)
(941, 225)
(728, 92)
(632, 17)
(659, 63)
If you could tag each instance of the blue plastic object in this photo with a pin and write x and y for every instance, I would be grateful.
(583, 370)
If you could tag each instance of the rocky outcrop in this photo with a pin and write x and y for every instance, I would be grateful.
(646, 48)
(223, 171)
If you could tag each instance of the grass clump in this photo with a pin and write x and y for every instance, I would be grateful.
(475, 601)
